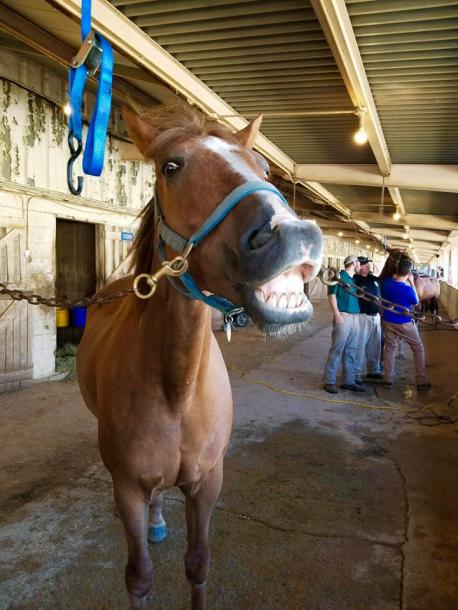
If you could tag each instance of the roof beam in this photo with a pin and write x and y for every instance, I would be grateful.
(422, 221)
(419, 177)
(38, 40)
(335, 21)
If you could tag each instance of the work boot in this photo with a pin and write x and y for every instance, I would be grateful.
(374, 375)
(354, 387)
(331, 388)
(423, 386)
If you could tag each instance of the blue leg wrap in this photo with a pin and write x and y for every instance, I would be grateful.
(157, 532)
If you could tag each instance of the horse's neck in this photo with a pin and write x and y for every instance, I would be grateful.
(178, 337)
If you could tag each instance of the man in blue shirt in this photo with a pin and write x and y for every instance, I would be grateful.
(345, 331)
(401, 289)
(370, 328)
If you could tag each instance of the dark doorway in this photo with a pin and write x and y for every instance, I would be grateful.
(75, 268)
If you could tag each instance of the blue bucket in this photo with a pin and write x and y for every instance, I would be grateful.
(78, 316)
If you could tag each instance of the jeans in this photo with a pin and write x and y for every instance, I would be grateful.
(369, 344)
(343, 348)
(408, 332)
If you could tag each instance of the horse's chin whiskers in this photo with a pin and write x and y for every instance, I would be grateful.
(280, 332)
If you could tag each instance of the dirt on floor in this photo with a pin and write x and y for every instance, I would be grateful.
(329, 502)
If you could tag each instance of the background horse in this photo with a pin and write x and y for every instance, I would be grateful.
(428, 288)
(150, 369)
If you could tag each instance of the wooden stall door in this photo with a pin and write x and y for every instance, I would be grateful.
(75, 259)
(15, 331)
(75, 269)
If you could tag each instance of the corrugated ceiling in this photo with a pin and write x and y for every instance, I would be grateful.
(410, 53)
(261, 55)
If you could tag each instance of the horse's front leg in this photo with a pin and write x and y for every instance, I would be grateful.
(133, 509)
(157, 530)
(200, 500)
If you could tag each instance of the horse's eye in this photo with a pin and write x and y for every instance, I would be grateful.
(266, 174)
(170, 168)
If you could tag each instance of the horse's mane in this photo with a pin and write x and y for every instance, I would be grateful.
(173, 122)
(392, 261)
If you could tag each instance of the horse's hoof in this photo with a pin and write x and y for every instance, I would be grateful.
(157, 532)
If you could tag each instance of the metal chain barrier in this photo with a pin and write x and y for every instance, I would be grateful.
(330, 277)
(36, 299)
(174, 268)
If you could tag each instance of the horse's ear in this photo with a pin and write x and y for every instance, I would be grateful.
(141, 132)
(248, 134)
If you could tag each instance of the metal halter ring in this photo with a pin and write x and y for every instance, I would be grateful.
(329, 276)
(178, 266)
(150, 281)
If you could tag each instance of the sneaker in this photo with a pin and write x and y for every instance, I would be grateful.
(423, 386)
(358, 380)
(374, 375)
(331, 388)
(354, 387)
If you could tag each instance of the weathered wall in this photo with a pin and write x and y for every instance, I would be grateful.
(33, 191)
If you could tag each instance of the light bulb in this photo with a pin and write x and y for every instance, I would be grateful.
(397, 215)
(67, 109)
(340, 234)
(357, 241)
(405, 236)
(360, 136)
(368, 247)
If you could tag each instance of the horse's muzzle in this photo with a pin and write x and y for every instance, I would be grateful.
(274, 265)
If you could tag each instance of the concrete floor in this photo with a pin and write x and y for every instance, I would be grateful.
(325, 506)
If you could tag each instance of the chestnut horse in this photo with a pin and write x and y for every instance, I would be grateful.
(150, 369)
(428, 288)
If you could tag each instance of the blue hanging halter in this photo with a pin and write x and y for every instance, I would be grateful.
(95, 52)
(182, 245)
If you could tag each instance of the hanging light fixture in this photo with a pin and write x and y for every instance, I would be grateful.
(397, 214)
(360, 136)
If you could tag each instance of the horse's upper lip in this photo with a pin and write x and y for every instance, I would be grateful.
(307, 268)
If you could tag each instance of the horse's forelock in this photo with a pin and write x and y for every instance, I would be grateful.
(179, 121)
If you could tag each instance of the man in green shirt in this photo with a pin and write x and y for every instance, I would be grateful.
(345, 332)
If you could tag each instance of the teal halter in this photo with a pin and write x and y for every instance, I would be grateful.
(182, 245)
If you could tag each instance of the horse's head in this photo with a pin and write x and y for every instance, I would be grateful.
(260, 255)
(395, 259)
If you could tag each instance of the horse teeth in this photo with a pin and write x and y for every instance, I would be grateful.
(292, 303)
(260, 294)
(272, 300)
(283, 301)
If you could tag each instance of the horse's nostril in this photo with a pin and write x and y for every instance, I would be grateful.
(261, 237)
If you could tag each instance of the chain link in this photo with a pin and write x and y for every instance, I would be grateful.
(36, 299)
(330, 277)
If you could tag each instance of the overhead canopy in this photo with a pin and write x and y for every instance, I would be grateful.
(309, 66)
